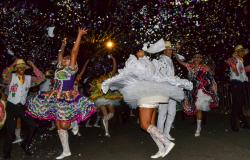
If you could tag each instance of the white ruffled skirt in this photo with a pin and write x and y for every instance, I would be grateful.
(144, 93)
(107, 102)
(203, 101)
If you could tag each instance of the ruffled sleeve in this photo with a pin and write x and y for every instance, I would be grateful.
(129, 65)
(117, 82)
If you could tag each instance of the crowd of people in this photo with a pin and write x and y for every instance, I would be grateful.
(147, 81)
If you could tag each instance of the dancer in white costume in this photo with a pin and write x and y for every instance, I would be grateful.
(166, 111)
(141, 84)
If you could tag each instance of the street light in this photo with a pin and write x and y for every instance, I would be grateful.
(109, 44)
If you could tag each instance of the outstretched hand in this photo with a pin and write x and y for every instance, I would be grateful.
(64, 41)
(82, 31)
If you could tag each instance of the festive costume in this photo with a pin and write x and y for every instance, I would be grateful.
(202, 97)
(141, 83)
(111, 98)
(167, 111)
(63, 102)
(18, 90)
(237, 83)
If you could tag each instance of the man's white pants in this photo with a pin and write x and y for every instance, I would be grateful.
(166, 116)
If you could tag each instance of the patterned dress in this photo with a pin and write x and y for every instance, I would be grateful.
(63, 102)
(203, 96)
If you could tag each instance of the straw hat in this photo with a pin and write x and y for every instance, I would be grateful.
(197, 56)
(240, 48)
(20, 63)
(168, 45)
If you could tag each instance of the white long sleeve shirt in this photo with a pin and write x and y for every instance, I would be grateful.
(166, 66)
(241, 70)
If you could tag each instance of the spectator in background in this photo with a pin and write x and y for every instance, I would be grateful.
(19, 85)
(238, 78)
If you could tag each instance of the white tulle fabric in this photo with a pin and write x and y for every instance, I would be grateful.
(104, 102)
(203, 101)
(141, 83)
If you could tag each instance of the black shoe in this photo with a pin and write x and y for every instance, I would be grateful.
(26, 149)
(6, 156)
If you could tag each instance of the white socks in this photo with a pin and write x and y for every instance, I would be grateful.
(75, 127)
(87, 125)
(168, 126)
(198, 130)
(53, 126)
(18, 136)
(105, 122)
(64, 137)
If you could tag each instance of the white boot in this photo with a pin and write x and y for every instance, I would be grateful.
(198, 130)
(75, 127)
(170, 137)
(64, 137)
(170, 119)
(105, 122)
(53, 126)
(167, 128)
(87, 125)
(18, 136)
(160, 148)
(168, 145)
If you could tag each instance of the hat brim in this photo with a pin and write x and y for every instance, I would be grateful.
(21, 66)
(243, 49)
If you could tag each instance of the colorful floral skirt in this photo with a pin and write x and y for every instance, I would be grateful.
(79, 108)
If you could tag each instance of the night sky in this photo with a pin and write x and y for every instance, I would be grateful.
(210, 27)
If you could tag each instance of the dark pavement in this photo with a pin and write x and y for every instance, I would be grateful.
(129, 142)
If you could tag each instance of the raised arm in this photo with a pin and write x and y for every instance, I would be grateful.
(61, 51)
(39, 76)
(75, 49)
(114, 65)
(7, 73)
(79, 76)
(180, 61)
